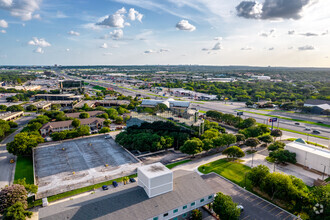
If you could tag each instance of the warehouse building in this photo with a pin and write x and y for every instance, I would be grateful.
(55, 97)
(310, 156)
(9, 116)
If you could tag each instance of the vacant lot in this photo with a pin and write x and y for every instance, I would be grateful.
(73, 164)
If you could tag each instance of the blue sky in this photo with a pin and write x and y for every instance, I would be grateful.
(206, 32)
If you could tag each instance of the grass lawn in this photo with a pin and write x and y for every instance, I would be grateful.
(170, 166)
(201, 111)
(233, 171)
(99, 88)
(24, 169)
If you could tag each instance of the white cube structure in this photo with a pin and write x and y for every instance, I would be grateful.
(155, 179)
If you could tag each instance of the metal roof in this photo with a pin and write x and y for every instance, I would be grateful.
(310, 149)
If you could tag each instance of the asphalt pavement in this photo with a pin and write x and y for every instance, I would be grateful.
(254, 206)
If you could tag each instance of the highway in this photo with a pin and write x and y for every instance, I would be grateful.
(232, 108)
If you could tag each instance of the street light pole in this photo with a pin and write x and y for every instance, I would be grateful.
(252, 160)
(323, 171)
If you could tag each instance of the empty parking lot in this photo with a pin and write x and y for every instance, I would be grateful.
(72, 164)
(254, 206)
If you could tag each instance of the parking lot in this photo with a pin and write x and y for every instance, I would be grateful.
(254, 206)
(72, 164)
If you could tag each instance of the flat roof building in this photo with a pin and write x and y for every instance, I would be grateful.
(8, 116)
(131, 202)
(310, 156)
(53, 97)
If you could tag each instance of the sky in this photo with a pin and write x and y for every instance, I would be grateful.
(293, 33)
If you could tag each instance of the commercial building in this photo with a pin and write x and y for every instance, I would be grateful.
(310, 156)
(318, 106)
(58, 126)
(42, 105)
(54, 97)
(131, 202)
(263, 78)
(8, 116)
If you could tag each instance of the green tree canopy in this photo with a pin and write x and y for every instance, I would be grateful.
(16, 212)
(225, 208)
(24, 142)
(12, 194)
(258, 174)
(192, 146)
(234, 152)
(84, 115)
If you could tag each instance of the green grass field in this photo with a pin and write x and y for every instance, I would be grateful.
(24, 169)
(170, 166)
(99, 88)
(233, 171)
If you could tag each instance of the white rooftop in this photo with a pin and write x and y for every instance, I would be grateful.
(154, 170)
(310, 148)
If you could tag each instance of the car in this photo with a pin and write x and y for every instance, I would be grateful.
(170, 118)
(320, 122)
(115, 184)
(105, 187)
(316, 132)
(240, 207)
(307, 128)
(107, 136)
(297, 123)
(132, 180)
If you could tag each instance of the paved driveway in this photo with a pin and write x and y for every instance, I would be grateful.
(254, 206)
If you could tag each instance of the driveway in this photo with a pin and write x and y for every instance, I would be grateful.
(254, 206)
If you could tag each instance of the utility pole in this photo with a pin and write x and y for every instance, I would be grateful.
(323, 171)
(252, 160)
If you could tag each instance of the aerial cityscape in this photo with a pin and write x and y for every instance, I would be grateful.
(149, 109)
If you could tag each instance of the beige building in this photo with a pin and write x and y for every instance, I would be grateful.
(8, 116)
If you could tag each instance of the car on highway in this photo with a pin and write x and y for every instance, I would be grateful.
(132, 180)
(307, 128)
(297, 123)
(105, 187)
(320, 122)
(316, 132)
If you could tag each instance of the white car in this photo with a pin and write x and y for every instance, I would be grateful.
(307, 128)
(240, 207)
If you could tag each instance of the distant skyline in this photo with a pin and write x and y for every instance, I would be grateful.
(292, 33)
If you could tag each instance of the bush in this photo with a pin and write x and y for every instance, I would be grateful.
(283, 156)
(84, 115)
(225, 208)
(104, 130)
(234, 152)
(276, 145)
(258, 174)
(16, 212)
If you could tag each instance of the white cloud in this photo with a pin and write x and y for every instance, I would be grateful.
(74, 33)
(309, 34)
(307, 47)
(104, 46)
(3, 23)
(162, 50)
(134, 15)
(246, 48)
(149, 51)
(117, 34)
(116, 20)
(217, 46)
(39, 50)
(291, 32)
(184, 25)
(107, 54)
(271, 48)
(267, 34)
(3, 31)
(23, 9)
(39, 42)
(37, 16)
(218, 38)
(67, 50)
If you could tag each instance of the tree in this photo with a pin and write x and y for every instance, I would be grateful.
(277, 185)
(196, 214)
(30, 188)
(283, 156)
(240, 138)
(249, 122)
(166, 142)
(55, 107)
(75, 123)
(192, 146)
(234, 152)
(161, 107)
(276, 145)
(104, 130)
(319, 195)
(31, 108)
(107, 123)
(15, 108)
(207, 144)
(35, 126)
(252, 142)
(24, 142)
(276, 133)
(258, 174)
(4, 128)
(83, 130)
(12, 194)
(84, 115)
(112, 113)
(266, 138)
(225, 208)
(16, 212)
(228, 139)
(3, 107)
(119, 120)
(209, 134)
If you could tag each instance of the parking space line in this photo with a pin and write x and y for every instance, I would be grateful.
(272, 209)
(279, 213)
(266, 205)
(245, 217)
(287, 217)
